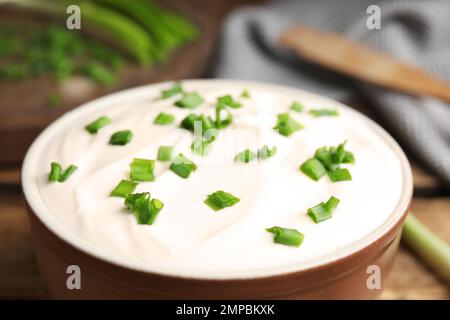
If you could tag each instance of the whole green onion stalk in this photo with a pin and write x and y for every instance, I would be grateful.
(433, 251)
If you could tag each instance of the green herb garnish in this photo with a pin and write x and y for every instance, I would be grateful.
(323, 210)
(173, 91)
(313, 168)
(142, 170)
(286, 125)
(190, 100)
(229, 102)
(182, 166)
(340, 175)
(297, 106)
(121, 138)
(55, 172)
(143, 207)
(124, 188)
(58, 175)
(220, 200)
(165, 153)
(265, 152)
(245, 94)
(245, 156)
(219, 122)
(97, 124)
(328, 160)
(164, 119)
(323, 112)
(192, 120)
(289, 237)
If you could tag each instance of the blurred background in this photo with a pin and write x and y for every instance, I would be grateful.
(47, 69)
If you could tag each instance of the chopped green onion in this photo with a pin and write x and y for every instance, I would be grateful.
(323, 211)
(182, 166)
(124, 188)
(286, 125)
(323, 112)
(348, 158)
(173, 91)
(313, 168)
(55, 172)
(121, 138)
(190, 122)
(201, 146)
(340, 175)
(289, 237)
(297, 106)
(190, 100)
(229, 102)
(98, 124)
(164, 119)
(245, 156)
(143, 207)
(245, 94)
(324, 155)
(142, 170)
(266, 152)
(219, 123)
(165, 153)
(67, 173)
(220, 200)
(332, 203)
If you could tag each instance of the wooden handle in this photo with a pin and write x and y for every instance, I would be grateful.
(335, 52)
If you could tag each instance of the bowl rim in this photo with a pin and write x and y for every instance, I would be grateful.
(32, 196)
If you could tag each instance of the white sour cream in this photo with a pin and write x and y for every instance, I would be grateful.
(188, 238)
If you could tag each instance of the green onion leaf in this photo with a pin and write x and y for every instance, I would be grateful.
(173, 91)
(190, 122)
(324, 155)
(165, 153)
(286, 125)
(245, 156)
(143, 207)
(142, 170)
(220, 200)
(229, 102)
(297, 106)
(121, 138)
(265, 152)
(67, 173)
(323, 112)
(323, 211)
(164, 119)
(289, 237)
(348, 157)
(97, 124)
(182, 166)
(340, 174)
(55, 172)
(124, 188)
(201, 146)
(190, 100)
(313, 168)
(219, 123)
(245, 94)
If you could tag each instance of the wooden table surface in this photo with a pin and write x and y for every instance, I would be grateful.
(409, 279)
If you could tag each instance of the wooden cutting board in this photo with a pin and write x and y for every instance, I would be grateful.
(24, 109)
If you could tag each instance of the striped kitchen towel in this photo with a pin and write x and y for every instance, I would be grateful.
(415, 31)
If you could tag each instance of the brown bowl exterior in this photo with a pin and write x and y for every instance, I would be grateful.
(342, 279)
